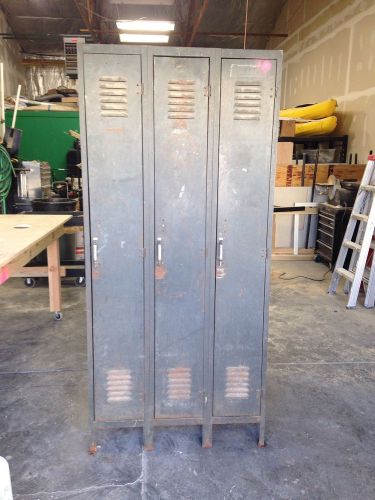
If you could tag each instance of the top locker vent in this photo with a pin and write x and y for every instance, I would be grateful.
(181, 99)
(113, 96)
(247, 100)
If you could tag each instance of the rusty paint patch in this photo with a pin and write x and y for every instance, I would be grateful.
(220, 272)
(95, 274)
(93, 448)
(160, 272)
(180, 123)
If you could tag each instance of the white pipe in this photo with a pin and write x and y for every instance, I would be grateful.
(16, 106)
(2, 99)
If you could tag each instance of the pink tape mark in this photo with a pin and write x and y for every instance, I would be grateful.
(4, 274)
(265, 65)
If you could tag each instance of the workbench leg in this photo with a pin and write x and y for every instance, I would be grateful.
(54, 283)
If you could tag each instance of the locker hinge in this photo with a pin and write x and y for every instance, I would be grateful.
(144, 253)
(207, 91)
(141, 88)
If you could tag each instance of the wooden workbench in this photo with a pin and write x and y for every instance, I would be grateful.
(22, 237)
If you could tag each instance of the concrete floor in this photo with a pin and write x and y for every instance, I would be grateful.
(320, 424)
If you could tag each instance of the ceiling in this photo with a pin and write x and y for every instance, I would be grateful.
(38, 25)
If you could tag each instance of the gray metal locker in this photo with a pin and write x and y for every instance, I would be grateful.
(180, 226)
(178, 148)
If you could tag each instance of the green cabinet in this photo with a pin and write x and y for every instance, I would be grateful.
(45, 137)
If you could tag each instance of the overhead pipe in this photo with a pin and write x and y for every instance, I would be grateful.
(197, 22)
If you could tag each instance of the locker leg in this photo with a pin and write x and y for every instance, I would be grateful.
(261, 438)
(148, 438)
(207, 436)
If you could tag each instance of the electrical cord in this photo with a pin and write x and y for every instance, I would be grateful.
(304, 277)
(6, 171)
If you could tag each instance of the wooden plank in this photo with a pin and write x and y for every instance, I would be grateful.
(73, 229)
(288, 175)
(287, 254)
(284, 152)
(292, 257)
(347, 172)
(36, 271)
(42, 271)
(287, 128)
(54, 283)
(291, 175)
(69, 99)
(18, 246)
(289, 251)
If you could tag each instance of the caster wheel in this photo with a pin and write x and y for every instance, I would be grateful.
(29, 282)
(58, 316)
(81, 281)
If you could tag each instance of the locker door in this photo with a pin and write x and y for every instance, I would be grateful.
(114, 143)
(181, 121)
(246, 117)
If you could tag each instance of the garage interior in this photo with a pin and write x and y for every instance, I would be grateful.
(309, 221)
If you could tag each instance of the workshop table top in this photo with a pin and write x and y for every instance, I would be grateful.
(23, 236)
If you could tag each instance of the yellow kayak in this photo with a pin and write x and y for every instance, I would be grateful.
(312, 112)
(317, 127)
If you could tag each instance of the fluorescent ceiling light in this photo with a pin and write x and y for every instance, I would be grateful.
(143, 25)
(143, 38)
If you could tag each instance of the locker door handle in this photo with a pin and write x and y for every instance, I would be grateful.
(95, 251)
(158, 252)
(221, 246)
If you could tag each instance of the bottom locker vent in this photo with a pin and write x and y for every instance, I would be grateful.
(119, 386)
(237, 384)
(179, 383)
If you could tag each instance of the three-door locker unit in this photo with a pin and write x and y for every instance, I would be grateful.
(178, 148)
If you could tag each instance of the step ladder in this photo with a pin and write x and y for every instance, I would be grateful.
(363, 213)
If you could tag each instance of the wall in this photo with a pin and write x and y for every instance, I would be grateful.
(14, 71)
(41, 78)
(330, 52)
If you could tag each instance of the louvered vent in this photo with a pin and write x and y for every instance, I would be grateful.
(113, 96)
(119, 386)
(179, 383)
(247, 101)
(237, 382)
(181, 99)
